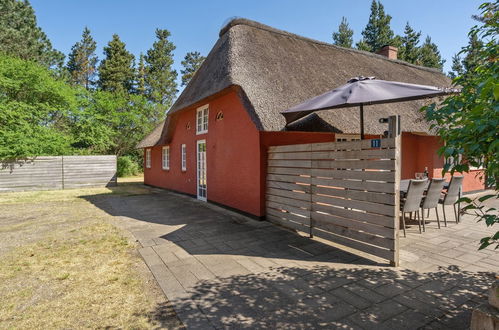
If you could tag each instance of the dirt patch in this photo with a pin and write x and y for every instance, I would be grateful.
(64, 265)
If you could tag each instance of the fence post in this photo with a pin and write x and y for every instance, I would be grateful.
(394, 132)
(62, 172)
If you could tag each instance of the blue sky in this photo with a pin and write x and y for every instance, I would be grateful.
(195, 24)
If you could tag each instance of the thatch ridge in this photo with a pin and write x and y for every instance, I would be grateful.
(258, 25)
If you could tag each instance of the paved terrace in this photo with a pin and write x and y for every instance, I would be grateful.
(220, 269)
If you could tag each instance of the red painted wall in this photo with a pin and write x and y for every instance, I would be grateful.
(420, 151)
(232, 155)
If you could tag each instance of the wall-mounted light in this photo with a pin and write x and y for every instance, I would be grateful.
(219, 116)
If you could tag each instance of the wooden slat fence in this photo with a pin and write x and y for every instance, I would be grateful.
(58, 172)
(346, 192)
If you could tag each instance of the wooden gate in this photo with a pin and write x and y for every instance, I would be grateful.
(345, 192)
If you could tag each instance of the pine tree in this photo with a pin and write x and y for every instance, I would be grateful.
(344, 35)
(457, 67)
(429, 55)
(377, 32)
(116, 71)
(141, 77)
(471, 58)
(409, 50)
(160, 77)
(191, 63)
(82, 61)
(20, 35)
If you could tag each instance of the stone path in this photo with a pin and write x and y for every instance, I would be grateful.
(222, 270)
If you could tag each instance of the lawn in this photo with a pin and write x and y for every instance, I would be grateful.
(64, 265)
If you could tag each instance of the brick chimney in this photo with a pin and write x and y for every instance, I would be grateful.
(388, 51)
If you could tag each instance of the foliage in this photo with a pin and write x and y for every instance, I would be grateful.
(33, 110)
(344, 36)
(160, 77)
(429, 55)
(191, 63)
(140, 87)
(468, 121)
(409, 50)
(377, 32)
(127, 167)
(112, 123)
(470, 60)
(20, 36)
(457, 68)
(82, 61)
(116, 71)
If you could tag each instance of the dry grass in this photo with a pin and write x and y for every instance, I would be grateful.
(125, 188)
(63, 265)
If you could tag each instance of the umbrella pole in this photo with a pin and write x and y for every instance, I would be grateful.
(362, 122)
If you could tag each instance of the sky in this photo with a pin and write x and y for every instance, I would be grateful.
(195, 25)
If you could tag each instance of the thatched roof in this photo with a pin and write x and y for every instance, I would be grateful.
(154, 138)
(277, 70)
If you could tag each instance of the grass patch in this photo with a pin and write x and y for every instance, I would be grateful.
(125, 188)
(63, 265)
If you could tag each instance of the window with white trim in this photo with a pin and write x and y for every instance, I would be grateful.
(184, 157)
(166, 158)
(202, 119)
(148, 158)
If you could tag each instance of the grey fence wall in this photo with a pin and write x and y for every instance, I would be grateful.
(58, 172)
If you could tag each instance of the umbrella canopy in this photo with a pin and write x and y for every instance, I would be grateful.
(364, 91)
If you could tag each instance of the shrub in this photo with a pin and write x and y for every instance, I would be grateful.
(127, 166)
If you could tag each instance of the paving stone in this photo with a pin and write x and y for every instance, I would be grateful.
(365, 293)
(351, 298)
(198, 269)
(392, 289)
(423, 303)
(228, 268)
(168, 283)
(250, 265)
(150, 256)
(409, 319)
(373, 316)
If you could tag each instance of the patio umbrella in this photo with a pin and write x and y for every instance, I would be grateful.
(362, 91)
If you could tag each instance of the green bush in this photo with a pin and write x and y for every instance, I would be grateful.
(127, 167)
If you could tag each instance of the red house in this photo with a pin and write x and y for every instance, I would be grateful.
(213, 144)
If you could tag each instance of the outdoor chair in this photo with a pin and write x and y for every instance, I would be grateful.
(451, 196)
(412, 201)
(433, 195)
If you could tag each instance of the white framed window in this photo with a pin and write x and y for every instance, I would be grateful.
(184, 157)
(166, 158)
(202, 119)
(148, 158)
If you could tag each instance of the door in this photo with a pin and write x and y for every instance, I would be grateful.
(201, 170)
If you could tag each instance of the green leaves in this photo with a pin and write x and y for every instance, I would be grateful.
(344, 36)
(468, 122)
(33, 108)
(191, 63)
(377, 32)
(20, 35)
(116, 71)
